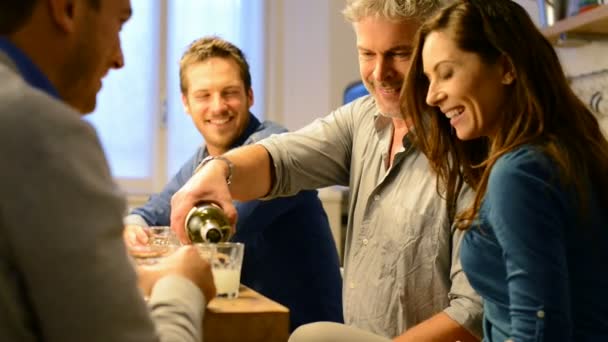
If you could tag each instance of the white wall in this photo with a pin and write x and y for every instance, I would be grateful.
(311, 58)
(584, 59)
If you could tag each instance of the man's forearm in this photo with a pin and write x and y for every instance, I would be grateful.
(252, 177)
(439, 328)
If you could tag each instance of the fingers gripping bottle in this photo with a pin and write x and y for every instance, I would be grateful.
(206, 222)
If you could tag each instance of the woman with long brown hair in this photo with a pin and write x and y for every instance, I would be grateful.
(491, 107)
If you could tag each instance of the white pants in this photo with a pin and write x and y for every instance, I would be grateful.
(333, 332)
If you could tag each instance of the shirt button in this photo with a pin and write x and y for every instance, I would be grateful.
(540, 314)
(351, 285)
(377, 198)
(365, 241)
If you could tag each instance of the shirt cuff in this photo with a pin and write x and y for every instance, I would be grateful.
(467, 317)
(181, 292)
(270, 148)
(135, 220)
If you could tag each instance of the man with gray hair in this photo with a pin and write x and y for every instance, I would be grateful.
(402, 274)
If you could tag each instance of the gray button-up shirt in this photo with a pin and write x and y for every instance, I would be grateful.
(402, 254)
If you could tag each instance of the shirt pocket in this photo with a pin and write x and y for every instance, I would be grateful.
(409, 252)
(408, 241)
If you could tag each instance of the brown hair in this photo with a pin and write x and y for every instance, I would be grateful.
(209, 47)
(541, 109)
(14, 13)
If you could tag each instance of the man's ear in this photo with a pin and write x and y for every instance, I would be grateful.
(63, 13)
(185, 104)
(250, 97)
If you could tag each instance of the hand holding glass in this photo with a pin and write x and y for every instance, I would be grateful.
(162, 242)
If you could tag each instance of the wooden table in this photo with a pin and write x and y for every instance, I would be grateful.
(249, 318)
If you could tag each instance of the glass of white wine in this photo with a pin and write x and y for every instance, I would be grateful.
(226, 266)
(206, 250)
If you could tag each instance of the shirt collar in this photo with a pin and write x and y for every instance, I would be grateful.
(28, 70)
(381, 122)
(252, 127)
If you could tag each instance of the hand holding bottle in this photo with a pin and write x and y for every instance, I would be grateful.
(206, 185)
(206, 222)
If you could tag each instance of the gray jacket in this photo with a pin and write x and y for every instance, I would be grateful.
(64, 272)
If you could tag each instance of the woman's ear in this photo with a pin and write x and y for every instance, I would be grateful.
(508, 78)
(508, 71)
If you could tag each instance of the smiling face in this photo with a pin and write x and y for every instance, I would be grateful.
(384, 48)
(95, 49)
(217, 101)
(467, 90)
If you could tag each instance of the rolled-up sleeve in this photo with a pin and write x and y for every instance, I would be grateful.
(315, 156)
(465, 306)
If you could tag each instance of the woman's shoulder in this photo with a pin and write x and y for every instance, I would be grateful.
(526, 160)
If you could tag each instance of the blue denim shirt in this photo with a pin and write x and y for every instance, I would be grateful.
(290, 254)
(539, 267)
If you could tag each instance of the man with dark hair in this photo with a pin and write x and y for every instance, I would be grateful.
(13, 14)
(64, 271)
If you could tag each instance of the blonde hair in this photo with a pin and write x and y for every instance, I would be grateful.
(208, 47)
(394, 10)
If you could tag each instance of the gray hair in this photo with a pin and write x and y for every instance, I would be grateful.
(394, 10)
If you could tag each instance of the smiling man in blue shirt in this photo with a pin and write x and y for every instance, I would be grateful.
(290, 255)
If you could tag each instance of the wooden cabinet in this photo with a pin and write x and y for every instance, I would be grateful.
(592, 24)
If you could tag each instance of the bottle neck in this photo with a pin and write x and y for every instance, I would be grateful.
(211, 231)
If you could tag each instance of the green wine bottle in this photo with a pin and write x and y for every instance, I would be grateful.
(206, 222)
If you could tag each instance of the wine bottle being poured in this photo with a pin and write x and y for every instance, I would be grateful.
(206, 222)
